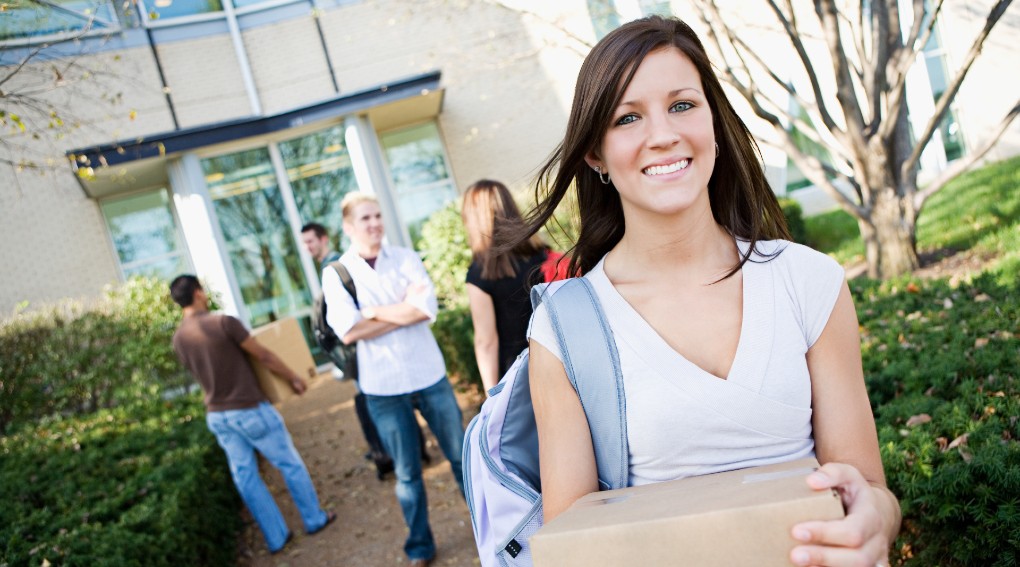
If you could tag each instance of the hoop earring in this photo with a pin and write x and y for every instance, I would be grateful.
(717, 149)
(605, 180)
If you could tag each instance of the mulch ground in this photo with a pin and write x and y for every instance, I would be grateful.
(369, 530)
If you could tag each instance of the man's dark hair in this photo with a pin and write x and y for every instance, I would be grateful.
(183, 289)
(315, 227)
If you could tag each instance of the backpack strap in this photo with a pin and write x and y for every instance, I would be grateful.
(346, 280)
(592, 364)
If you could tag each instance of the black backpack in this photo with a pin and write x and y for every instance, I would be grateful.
(345, 357)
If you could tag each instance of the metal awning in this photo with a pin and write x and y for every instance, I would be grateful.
(142, 162)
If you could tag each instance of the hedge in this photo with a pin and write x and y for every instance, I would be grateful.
(77, 357)
(941, 364)
(139, 485)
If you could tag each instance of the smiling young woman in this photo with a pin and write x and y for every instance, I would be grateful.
(737, 346)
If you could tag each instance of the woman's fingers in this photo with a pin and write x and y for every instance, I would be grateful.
(857, 539)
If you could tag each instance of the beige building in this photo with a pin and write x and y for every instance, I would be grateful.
(212, 130)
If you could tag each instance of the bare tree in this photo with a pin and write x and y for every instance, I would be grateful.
(865, 126)
(42, 96)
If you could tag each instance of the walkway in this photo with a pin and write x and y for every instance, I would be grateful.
(369, 530)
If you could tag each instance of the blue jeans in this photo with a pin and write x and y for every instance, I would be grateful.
(395, 420)
(240, 433)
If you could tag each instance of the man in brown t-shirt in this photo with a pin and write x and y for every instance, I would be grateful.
(212, 346)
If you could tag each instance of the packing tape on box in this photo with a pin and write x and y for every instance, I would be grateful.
(763, 477)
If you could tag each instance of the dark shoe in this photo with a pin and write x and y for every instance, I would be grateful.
(420, 562)
(426, 459)
(330, 517)
(383, 468)
(290, 536)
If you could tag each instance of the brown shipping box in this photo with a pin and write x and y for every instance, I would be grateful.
(733, 519)
(285, 339)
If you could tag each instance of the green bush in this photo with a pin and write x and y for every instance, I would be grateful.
(75, 357)
(941, 366)
(141, 485)
(446, 254)
(454, 333)
(794, 219)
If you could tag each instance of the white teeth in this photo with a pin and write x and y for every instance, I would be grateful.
(664, 169)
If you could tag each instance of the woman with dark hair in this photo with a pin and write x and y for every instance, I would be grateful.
(737, 347)
(499, 283)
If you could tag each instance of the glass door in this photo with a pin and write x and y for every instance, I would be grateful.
(320, 174)
(259, 240)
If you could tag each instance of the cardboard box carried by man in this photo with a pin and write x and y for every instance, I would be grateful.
(739, 518)
(285, 339)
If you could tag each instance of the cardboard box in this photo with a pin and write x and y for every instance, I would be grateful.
(733, 519)
(285, 339)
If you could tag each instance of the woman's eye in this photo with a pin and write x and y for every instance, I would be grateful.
(681, 106)
(626, 119)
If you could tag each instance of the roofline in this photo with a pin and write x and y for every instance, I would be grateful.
(177, 141)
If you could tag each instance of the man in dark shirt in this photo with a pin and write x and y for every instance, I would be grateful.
(212, 347)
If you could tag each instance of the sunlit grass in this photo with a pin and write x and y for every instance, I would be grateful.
(979, 210)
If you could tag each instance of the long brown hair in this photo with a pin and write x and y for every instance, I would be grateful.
(741, 199)
(487, 208)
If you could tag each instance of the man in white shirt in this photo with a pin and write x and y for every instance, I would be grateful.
(400, 366)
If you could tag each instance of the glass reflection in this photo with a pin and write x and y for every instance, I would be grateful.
(320, 173)
(259, 241)
(145, 235)
(421, 179)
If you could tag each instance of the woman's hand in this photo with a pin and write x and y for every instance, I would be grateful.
(862, 538)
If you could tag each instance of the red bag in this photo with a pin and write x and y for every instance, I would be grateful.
(555, 267)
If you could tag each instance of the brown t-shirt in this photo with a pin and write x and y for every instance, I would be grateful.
(209, 345)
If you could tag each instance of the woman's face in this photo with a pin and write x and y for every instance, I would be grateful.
(659, 149)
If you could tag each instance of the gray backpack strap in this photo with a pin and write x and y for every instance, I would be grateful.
(346, 280)
(592, 364)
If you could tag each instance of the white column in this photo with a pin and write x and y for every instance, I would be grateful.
(373, 177)
(293, 217)
(203, 235)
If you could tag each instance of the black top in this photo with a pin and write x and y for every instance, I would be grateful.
(512, 302)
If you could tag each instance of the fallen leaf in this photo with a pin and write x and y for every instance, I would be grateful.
(943, 443)
(947, 304)
(918, 419)
(980, 342)
(965, 455)
(961, 440)
(912, 287)
(981, 298)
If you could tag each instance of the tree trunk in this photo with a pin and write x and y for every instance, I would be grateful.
(888, 235)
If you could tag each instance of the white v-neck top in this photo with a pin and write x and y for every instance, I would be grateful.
(683, 421)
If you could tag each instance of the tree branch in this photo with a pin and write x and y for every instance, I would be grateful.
(793, 33)
(827, 15)
(903, 58)
(942, 105)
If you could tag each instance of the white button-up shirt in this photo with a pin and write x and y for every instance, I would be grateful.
(406, 359)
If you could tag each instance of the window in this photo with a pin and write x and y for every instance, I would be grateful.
(159, 9)
(32, 18)
(938, 77)
(420, 174)
(145, 235)
(795, 178)
(259, 240)
(320, 173)
(604, 17)
(661, 8)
